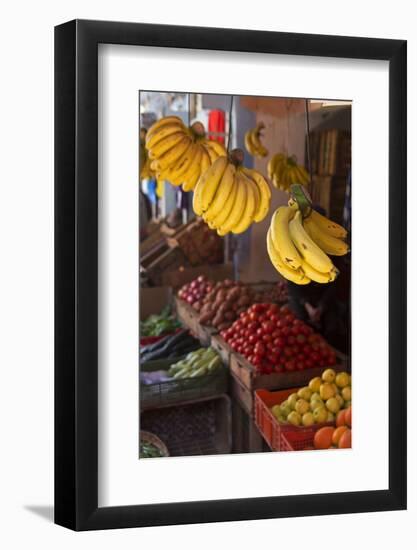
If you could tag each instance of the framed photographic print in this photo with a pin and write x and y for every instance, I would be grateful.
(230, 268)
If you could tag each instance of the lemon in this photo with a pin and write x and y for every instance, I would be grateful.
(292, 400)
(294, 418)
(328, 375)
(320, 415)
(326, 391)
(314, 384)
(333, 405)
(307, 419)
(305, 393)
(342, 379)
(347, 393)
(276, 411)
(302, 406)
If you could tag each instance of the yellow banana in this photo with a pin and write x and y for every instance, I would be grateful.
(302, 174)
(273, 163)
(228, 206)
(330, 245)
(237, 210)
(250, 207)
(205, 159)
(330, 227)
(165, 145)
(169, 158)
(210, 181)
(307, 248)
(191, 180)
(163, 122)
(211, 152)
(188, 178)
(295, 275)
(217, 147)
(183, 164)
(281, 237)
(262, 197)
(317, 276)
(222, 194)
(162, 133)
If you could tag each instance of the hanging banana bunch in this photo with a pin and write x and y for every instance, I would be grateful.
(253, 142)
(299, 247)
(180, 154)
(230, 197)
(145, 170)
(284, 171)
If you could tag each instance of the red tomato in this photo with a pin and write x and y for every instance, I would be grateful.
(259, 348)
(274, 318)
(300, 365)
(252, 339)
(286, 331)
(262, 318)
(267, 338)
(281, 323)
(296, 349)
(314, 356)
(301, 338)
(309, 364)
(288, 352)
(273, 308)
(279, 342)
(268, 327)
(291, 340)
(289, 318)
(259, 332)
(253, 315)
(289, 365)
(306, 330)
(276, 334)
(285, 309)
(253, 325)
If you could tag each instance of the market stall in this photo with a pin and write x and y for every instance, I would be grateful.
(245, 276)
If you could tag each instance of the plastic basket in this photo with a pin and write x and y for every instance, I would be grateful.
(198, 428)
(181, 390)
(272, 430)
(296, 441)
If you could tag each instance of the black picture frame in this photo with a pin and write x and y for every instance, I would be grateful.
(76, 270)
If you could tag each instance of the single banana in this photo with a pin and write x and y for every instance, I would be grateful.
(317, 276)
(228, 206)
(307, 248)
(282, 239)
(217, 147)
(166, 144)
(205, 159)
(210, 181)
(183, 164)
(255, 138)
(192, 179)
(263, 198)
(222, 194)
(295, 275)
(162, 133)
(188, 179)
(211, 152)
(169, 158)
(237, 210)
(330, 227)
(250, 207)
(330, 245)
(303, 175)
(273, 163)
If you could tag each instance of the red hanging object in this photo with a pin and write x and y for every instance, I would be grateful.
(217, 123)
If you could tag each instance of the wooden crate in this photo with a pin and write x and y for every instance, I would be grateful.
(169, 260)
(243, 371)
(189, 318)
(222, 348)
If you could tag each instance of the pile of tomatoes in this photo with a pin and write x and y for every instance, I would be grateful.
(274, 340)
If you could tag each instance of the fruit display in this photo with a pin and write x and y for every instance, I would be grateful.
(299, 247)
(180, 154)
(274, 340)
(170, 346)
(201, 362)
(227, 299)
(230, 197)
(284, 171)
(319, 402)
(157, 324)
(339, 437)
(253, 143)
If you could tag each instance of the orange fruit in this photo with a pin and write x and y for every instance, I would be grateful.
(345, 442)
(323, 437)
(337, 434)
(348, 417)
(340, 419)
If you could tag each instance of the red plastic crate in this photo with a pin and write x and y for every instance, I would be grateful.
(272, 430)
(297, 441)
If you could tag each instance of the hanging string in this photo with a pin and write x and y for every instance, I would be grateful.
(189, 109)
(308, 145)
(230, 122)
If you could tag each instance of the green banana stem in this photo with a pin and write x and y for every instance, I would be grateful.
(301, 196)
